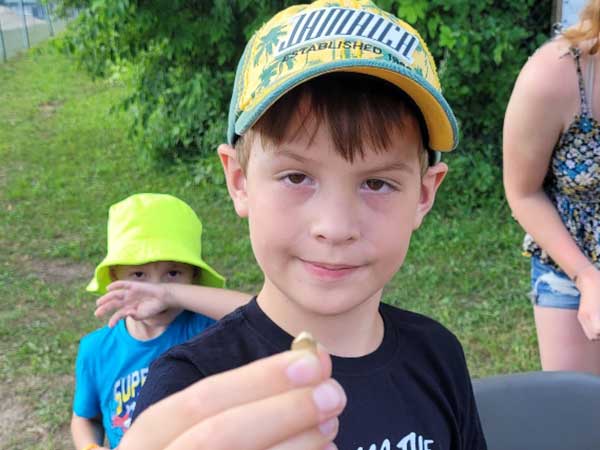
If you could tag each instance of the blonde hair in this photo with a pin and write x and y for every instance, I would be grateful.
(588, 27)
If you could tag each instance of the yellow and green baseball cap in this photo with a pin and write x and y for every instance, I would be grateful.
(147, 228)
(306, 41)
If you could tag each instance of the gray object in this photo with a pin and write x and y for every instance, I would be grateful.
(4, 57)
(540, 411)
(565, 13)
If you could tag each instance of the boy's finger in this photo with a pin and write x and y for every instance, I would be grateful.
(292, 417)
(109, 297)
(109, 305)
(172, 416)
(315, 438)
(116, 285)
(120, 314)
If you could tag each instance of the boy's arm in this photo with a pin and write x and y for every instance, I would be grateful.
(143, 300)
(86, 433)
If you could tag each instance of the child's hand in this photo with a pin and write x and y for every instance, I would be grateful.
(284, 401)
(132, 298)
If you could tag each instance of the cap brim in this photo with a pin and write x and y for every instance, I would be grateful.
(439, 119)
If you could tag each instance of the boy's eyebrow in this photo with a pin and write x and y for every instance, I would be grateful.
(398, 165)
(292, 155)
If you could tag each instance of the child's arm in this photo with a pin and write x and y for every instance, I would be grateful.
(142, 300)
(86, 433)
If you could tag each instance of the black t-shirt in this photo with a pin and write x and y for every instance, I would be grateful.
(412, 393)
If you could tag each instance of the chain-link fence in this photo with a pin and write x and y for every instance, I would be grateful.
(24, 23)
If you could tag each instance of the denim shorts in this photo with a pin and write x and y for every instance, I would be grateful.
(551, 288)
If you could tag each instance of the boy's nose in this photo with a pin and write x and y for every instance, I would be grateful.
(336, 220)
(153, 278)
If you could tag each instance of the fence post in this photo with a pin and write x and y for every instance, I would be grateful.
(50, 24)
(26, 31)
(4, 56)
(556, 11)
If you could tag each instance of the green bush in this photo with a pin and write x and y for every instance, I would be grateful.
(182, 56)
(480, 46)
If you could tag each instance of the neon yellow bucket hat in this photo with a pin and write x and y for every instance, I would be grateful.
(146, 228)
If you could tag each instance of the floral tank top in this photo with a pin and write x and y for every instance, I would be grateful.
(573, 179)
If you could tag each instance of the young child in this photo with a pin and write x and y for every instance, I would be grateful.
(336, 112)
(152, 238)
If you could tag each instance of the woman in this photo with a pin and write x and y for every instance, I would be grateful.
(552, 182)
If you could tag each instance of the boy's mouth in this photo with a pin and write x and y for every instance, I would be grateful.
(328, 270)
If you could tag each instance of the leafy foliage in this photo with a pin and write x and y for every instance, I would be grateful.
(181, 57)
(480, 46)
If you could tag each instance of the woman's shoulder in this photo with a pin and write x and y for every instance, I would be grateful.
(557, 47)
(553, 61)
(550, 74)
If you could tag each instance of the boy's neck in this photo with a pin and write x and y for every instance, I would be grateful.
(354, 333)
(144, 330)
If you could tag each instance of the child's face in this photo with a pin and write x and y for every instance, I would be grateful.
(329, 234)
(157, 272)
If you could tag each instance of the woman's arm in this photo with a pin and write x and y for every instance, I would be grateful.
(544, 100)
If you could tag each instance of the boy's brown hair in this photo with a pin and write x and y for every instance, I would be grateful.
(361, 112)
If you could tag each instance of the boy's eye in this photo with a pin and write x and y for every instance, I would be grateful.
(296, 178)
(377, 185)
(174, 273)
(138, 274)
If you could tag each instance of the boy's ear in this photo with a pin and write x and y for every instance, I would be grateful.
(430, 182)
(111, 274)
(235, 177)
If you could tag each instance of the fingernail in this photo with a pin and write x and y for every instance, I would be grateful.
(304, 370)
(329, 427)
(328, 396)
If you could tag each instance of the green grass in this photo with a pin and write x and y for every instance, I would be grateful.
(64, 158)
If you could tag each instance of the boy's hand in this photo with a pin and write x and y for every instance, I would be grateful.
(287, 401)
(588, 314)
(132, 298)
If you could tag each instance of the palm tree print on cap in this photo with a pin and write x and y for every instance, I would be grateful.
(268, 42)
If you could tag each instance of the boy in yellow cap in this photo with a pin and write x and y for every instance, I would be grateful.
(335, 123)
(152, 238)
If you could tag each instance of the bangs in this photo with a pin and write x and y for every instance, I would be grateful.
(362, 113)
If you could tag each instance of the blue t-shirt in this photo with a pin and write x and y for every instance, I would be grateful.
(112, 367)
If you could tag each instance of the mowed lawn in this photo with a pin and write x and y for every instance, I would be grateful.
(65, 157)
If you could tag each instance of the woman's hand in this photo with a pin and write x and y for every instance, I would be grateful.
(132, 298)
(588, 283)
(284, 402)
